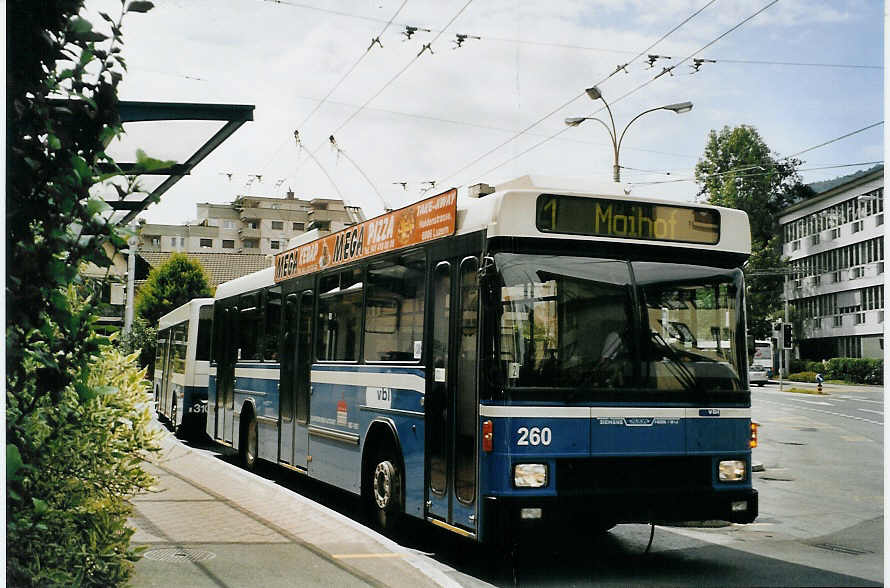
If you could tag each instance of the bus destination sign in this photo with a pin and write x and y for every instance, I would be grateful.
(424, 221)
(628, 220)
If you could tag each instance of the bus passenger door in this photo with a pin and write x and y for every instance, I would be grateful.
(287, 389)
(295, 390)
(225, 378)
(452, 403)
(302, 377)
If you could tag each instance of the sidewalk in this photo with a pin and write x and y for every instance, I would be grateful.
(209, 523)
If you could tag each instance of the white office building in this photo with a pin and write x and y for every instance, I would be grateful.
(835, 241)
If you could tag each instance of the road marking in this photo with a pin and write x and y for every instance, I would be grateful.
(846, 416)
(812, 401)
(872, 411)
(862, 399)
(853, 438)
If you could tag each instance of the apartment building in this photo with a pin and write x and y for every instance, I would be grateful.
(835, 242)
(256, 225)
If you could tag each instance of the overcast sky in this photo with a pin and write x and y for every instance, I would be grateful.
(450, 114)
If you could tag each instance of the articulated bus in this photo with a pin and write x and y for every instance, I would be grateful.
(540, 353)
(182, 362)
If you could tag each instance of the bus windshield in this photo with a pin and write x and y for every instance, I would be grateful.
(616, 329)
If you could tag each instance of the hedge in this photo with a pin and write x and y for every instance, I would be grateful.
(849, 369)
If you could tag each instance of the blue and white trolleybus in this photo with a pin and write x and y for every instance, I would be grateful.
(545, 352)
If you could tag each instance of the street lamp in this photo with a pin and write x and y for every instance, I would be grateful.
(595, 94)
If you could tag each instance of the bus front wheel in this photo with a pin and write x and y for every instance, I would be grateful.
(386, 491)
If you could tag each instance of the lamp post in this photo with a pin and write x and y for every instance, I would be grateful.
(595, 94)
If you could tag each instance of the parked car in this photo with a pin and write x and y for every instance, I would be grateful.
(757, 374)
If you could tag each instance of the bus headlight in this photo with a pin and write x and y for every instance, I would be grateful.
(732, 470)
(530, 475)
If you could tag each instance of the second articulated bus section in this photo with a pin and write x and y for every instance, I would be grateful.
(182, 359)
(545, 353)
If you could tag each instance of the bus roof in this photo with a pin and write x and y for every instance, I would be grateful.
(510, 210)
(183, 313)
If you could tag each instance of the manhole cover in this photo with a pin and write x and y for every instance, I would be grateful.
(178, 555)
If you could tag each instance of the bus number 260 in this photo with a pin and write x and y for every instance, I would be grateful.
(534, 436)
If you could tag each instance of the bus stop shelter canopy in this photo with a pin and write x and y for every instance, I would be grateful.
(232, 116)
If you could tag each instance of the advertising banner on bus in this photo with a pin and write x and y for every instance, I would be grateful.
(424, 221)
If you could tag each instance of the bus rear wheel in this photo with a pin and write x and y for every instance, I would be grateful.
(386, 492)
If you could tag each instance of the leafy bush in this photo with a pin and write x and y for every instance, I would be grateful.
(76, 411)
(67, 482)
(803, 377)
(857, 370)
(142, 339)
(806, 365)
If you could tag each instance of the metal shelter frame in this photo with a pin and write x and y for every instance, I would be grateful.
(234, 116)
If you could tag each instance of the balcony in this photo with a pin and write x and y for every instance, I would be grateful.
(248, 233)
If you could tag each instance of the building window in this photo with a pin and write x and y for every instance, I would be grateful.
(253, 224)
(859, 318)
(274, 244)
(228, 244)
(879, 220)
(173, 241)
(299, 226)
(817, 280)
(817, 323)
(795, 246)
(277, 225)
(206, 243)
(182, 241)
(838, 320)
(835, 233)
(227, 224)
(881, 317)
(816, 239)
(857, 226)
(250, 244)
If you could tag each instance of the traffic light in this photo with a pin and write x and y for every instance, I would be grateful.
(786, 337)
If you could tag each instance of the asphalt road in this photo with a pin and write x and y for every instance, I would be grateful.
(820, 523)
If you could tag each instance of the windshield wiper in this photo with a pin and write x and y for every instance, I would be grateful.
(683, 374)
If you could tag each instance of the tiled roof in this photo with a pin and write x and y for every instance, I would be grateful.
(220, 267)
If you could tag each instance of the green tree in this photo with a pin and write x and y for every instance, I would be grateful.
(738, 170)
(70, 462)
(170, 285)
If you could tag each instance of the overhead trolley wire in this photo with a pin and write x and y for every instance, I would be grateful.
(635, 90)
(551, 113)
(754, 175)
(835, 139)
(392, 79)
(563, 105)
(339, 82)
(485, 37)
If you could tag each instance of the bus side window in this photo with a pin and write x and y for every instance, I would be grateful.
(249, 328)
(273, 324)
(205, 323)
(339, 315)
(394, 309)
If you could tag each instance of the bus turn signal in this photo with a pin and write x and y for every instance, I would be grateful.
(753, 442)
(487, 436)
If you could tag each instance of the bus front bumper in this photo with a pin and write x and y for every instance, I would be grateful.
(509, 514)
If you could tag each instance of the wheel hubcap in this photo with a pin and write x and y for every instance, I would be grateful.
(383, 479)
